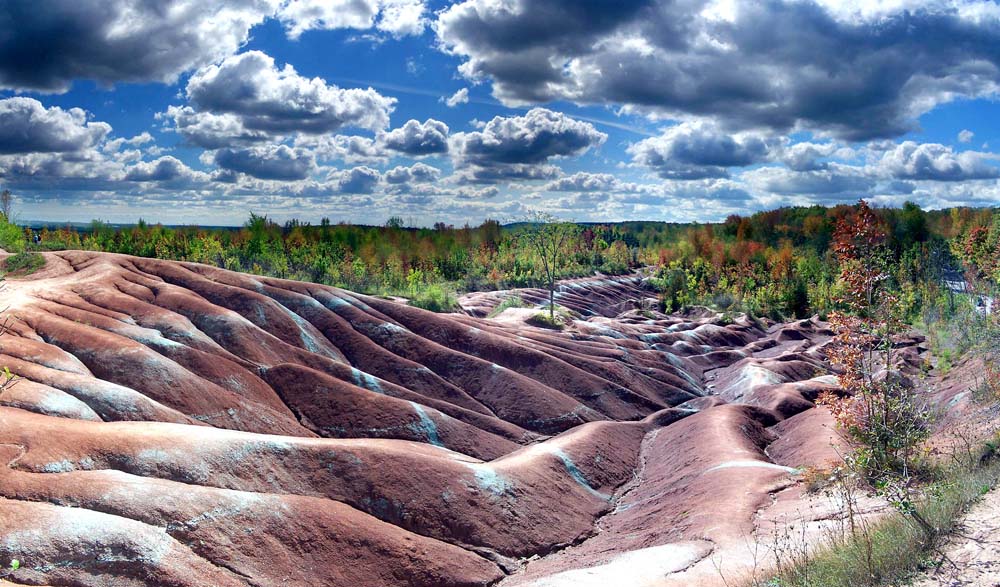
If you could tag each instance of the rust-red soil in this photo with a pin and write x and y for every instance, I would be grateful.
(177, 424)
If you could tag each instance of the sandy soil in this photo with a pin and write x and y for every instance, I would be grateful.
(974, 550)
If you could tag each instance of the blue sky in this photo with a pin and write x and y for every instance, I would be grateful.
(199, 111)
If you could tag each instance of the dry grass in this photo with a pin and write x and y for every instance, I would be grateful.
(889, 550)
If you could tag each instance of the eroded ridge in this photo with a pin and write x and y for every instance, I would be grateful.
(179, 424)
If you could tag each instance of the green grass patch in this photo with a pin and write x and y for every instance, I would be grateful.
(24, 263)
(890, 550)
(435, 297)
(511, 302)
(542, 320)
(11, 237)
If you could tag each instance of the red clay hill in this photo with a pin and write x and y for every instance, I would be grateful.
(182, 425)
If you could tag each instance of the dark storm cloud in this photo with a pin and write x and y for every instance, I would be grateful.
(163, 169)
(486, 193)
(835, 180)
(584, 182)
(416, 173)
(519, 147)
(698, 151)
(66, 171)
(226, 176)
(28, 127)
(899, 187)
(728, 194)
(512, 42)
(807, 156)
(46, 45)
(210, 131)
(776, 64)
(97, 171)
(417, 138)
(506, 173)
(360, 180)
(533, 138)
(348, 148)
(935, 162)
(582, 200)
(704, 192)
(279, 101)
(267, 162)
(61, 150)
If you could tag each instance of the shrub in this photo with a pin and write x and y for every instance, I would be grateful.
(614, 268)
(24, 263)
(816, 478)
(511, 302)
(724, 301)
(544, 321)
(434, 297)
(796, 299)
(673, 287)
(726, 319)
(11, 237)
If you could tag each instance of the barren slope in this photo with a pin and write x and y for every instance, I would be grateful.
(183, 425)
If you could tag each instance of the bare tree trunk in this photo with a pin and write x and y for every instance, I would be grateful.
(5, 205)
(552, 301)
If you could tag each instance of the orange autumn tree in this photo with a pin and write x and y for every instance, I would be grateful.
(880, 411)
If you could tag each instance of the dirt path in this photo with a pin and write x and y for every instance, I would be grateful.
(975, 550)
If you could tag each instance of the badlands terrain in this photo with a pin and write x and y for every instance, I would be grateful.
(181, 425)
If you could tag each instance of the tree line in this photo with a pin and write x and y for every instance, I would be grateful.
(779, 263)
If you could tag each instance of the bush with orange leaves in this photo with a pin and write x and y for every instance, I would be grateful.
(879, 411)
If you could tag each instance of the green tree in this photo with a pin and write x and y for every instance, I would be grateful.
(11, 237)
(548, 236)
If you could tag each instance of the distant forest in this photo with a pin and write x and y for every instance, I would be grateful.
(778, 263)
